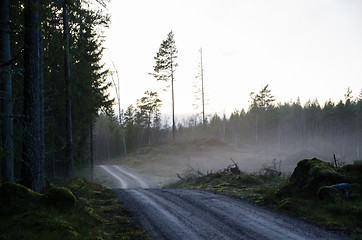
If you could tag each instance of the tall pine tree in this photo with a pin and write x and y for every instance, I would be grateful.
(31, 165)
(165, 67)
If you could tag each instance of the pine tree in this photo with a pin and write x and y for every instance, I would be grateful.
(149, 105)
(69, 133)
(131, 128)
(263, 99)
(31, 155)
(164, 69)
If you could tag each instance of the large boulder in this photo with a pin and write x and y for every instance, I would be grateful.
(311, 174)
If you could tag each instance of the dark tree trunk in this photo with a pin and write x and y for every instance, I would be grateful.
(91, 151)
(7, 163)
(31, 166)
(173, 103)
(202, 89)
(69, 138)
(41, 87)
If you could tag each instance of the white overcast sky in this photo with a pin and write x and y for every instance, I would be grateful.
(306, 48)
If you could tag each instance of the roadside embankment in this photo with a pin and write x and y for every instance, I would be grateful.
(307, 194)
(70, 209)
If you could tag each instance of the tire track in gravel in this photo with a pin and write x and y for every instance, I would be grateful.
(194, 214)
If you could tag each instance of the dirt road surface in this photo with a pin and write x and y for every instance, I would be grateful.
(194, 214)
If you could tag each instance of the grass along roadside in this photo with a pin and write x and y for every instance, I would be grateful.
(71, 209)
(164, 161)
(332, 211)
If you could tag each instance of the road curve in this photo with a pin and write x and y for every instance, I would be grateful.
(125, 179)
(195, 214)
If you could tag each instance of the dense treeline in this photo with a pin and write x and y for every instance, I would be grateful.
(335, 128)
(141, 124)
(280, 129)
(87, 81)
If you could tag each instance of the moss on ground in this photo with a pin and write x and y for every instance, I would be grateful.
(15, 198)
(297, 195)
(74, 209)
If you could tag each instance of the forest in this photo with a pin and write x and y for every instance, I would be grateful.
(53, 85)
(65, 140)
(266, 126)
(57, 116)
(278, 129)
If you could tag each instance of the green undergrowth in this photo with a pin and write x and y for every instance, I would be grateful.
(71, 209)
(258, 188)
(298, 196)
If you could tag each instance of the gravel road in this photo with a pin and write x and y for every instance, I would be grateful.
(195, 214)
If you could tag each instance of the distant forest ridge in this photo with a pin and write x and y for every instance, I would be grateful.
(335, 128)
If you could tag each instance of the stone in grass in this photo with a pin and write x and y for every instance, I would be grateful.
(328, 193)
(342, 188)
(61, 198)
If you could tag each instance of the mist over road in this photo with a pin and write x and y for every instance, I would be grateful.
(195, 214)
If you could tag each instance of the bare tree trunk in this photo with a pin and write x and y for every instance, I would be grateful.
(7, 163)
(31, 167)
(108, 145)
(149, 128)
(256, 133)
(122, 132)
(41, 87)
(69, 137)
(117, 88)
(91, 151)
(173, 103)
(279, 138)
(202, 89)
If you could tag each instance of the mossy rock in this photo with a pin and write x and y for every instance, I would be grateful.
(15, 198)
(60, 197)
(311, 174)
(328, 193)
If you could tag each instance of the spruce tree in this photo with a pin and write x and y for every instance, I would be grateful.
(149, 107)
